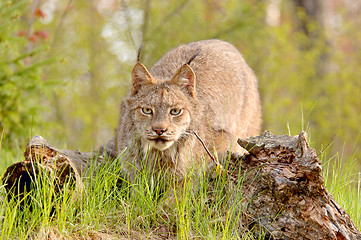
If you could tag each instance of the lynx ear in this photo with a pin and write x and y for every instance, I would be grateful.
(140, 76)
(185, 78)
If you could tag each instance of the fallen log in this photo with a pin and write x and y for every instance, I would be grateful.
(283, 188)
(62, 165)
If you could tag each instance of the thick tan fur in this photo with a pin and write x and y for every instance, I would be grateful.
(216, 96)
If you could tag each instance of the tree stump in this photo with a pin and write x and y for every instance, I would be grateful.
(285, 193)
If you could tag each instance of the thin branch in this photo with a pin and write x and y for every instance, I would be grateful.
(60, 25)
(128, 21)
(146, 19)
(205, 147)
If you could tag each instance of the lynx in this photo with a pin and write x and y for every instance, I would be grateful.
(204, 87)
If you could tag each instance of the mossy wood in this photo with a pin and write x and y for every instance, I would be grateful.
(283, 188)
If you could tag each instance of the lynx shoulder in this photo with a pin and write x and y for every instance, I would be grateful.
(215, 95)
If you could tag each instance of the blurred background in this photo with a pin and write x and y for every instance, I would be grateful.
(65, 64)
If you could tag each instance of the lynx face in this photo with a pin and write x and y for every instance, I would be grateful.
(161, 108)
(161, 120)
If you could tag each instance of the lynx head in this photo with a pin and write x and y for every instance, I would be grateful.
(162, 109)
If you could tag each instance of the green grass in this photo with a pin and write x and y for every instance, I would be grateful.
(109, 206)
(343, 181)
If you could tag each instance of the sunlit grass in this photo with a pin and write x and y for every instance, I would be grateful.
(152, 206)
(343, 181)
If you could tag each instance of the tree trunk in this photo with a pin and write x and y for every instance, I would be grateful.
(283, 188)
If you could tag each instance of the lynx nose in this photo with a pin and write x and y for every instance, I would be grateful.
(159, 131)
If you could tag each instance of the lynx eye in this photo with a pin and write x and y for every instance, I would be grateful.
(147, 111)
(175, 111)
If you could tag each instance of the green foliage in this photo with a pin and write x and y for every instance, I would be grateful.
(86, 105)
(187, 21)
(307, 79)
(21, 84)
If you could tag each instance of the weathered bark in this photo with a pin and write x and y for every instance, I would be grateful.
(285, 193)
(62, 165)
(282, 184)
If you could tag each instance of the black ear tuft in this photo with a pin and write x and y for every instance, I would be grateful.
(140, 51)
(193, 57)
